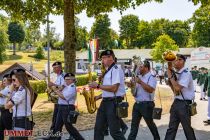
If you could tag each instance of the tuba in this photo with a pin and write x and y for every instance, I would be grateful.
(89, 95)
(137, 62)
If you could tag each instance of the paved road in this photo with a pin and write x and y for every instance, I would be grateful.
(202, 132)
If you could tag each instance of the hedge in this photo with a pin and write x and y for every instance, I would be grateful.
(41, 86)
(38, 86)
(83, 79)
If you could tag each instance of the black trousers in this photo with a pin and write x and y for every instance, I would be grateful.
(55, 112)
(5, 121)
(179, 113)
(61, 119)
(107, 114)
(143, 109)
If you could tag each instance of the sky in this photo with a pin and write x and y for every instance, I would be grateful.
(169, 9)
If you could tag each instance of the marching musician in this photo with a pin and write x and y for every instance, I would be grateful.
(123, 125)
(179, 112)
(66, 103)
(144, 105)
(57, 69)
(113, 89)
(5, 114)
(20, 101)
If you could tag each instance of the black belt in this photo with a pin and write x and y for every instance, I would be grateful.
(65, 105)
(20, 118)
(144, 102)
(118, 98)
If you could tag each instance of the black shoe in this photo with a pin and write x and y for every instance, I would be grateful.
(124, 130)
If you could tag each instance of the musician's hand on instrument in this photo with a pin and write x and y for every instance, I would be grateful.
(137, 80)
(93, 85)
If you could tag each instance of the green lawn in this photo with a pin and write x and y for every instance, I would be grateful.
(23, 57)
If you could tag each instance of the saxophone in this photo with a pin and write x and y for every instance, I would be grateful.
(89, 95)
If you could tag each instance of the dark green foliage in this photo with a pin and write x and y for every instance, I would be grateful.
(39, 53)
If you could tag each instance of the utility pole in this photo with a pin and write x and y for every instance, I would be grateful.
(48, 50)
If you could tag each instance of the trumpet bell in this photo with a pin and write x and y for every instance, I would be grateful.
(169, 56)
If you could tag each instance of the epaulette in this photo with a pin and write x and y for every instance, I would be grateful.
(115, 66)
(21, 88)
(185, 70)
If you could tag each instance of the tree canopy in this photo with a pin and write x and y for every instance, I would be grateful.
(162, 44)
(129, 28)
(201, 28)
(16, 34)
(36, 12)
(101, 30)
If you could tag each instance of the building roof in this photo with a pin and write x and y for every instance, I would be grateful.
(30, 71)
(129, 53)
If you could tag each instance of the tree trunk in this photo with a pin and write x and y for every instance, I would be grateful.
(14, 48)
(69, 37)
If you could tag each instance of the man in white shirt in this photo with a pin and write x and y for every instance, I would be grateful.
(144, 105)
(59, 81)
(113, 91)
(184, 94)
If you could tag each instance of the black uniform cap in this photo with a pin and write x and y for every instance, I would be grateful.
(71, 75)
(6, 76)
(107, 52)
(16, 71)
(57, 63)
(181, 56)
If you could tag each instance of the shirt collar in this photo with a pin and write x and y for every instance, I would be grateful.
(181, 70)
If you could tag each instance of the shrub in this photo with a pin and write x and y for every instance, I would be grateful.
(38, 86)
(83, 79)
(39, 53)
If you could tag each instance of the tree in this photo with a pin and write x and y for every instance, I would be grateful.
(201, 29)
(128, 28)
(16, 34)
(101, 29)
(144, 35)
(32, 35)
(162, 44)
(36, 12)
(179, 31)
(3, 37)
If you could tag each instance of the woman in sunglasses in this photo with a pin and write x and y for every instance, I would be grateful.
(5, 115)
(66, 103)
(20, 101)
